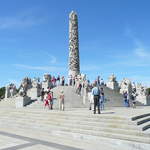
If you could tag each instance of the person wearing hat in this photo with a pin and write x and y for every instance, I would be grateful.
(61, 100)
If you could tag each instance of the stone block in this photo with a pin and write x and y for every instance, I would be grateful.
(143, 99)
(22, 101)
(33, 93)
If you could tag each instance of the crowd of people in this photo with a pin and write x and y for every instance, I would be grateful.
(129, 99)
(58, 81)
(47, 95)
(94, 92)
(48, 99)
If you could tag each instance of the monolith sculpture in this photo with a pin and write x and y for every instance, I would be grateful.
(74, 62)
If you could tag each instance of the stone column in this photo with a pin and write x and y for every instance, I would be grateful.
(74, 62)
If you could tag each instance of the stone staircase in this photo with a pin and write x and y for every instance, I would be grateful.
(143, 121)
(75, 124)
(114, 98)
(72, 100)
(7, 103)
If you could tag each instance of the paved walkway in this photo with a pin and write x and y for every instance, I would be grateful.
(32, 143)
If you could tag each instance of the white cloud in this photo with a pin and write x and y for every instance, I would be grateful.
(139, 55)
(25, 19)
(53, 59)
(89, 67)
(141, 52)
(42, 68)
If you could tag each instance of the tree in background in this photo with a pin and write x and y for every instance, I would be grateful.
(2, 92)
(148, 91)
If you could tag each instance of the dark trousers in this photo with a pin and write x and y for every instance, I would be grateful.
(96, 103)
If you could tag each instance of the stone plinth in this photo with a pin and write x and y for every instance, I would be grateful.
(33, 93)
(45, 85)
(113, 85)
(22, 101)
(143, 99)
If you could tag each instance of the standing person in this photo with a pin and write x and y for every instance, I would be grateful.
(50, 99)
(96, 94)
(42, 94)
(102, 100)
(70, 81)
(58, 80)
(11, 92)
(46, 101)
(73, 81)
(61, 100)
(128, 100)
(63, 81)
(102, 82)
(133, 98)
(79, 88)
(53, 81)
(125, 97)
(91, 101)
(98, 80)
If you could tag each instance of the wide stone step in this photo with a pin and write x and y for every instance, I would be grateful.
(74, 124)
(86, 125)
(66, 118)
(81, 114)
(71, 121)
(74, 132)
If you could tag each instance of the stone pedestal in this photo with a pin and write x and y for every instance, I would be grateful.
(22, 101)
(143, 99)
(33, 93)
(113, 85)
(45, 85)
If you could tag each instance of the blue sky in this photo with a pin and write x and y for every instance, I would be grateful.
(114, 38)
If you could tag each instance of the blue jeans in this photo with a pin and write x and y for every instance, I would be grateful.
(126, 103)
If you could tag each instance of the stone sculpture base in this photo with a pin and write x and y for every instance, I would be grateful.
(113, 86)
(45, 85)
(22, 101)
(143, 99)
(33, 93)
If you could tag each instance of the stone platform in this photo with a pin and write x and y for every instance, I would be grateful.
(73, 129)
